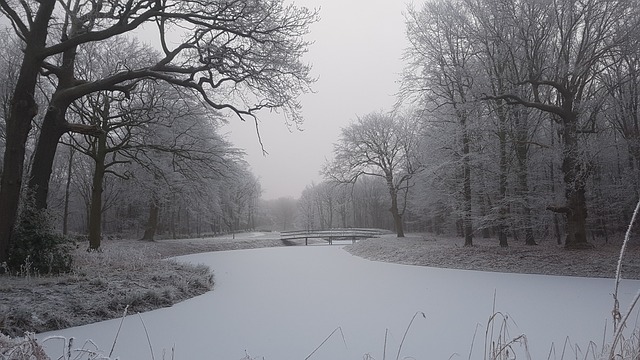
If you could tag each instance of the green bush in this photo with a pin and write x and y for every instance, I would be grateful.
(36, 249)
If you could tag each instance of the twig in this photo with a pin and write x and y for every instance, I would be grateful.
(384, 350)
(148, 339)
(618, 321)
(325, 340)
(616, 303)
(407, 331)
(490, 325)
(618, 333)
(473, 340)
(113, 346)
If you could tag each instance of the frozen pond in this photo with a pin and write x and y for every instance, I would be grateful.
(281, 303)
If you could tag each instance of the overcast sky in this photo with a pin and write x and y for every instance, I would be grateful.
(356, 57)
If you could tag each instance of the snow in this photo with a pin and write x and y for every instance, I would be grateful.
(281, 303)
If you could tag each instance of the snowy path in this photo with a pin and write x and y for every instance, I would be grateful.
(281, 303)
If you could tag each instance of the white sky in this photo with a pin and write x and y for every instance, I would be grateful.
(356, 57)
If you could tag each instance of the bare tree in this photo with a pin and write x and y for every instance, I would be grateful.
(378, 145)
(440, 73)
(566, 48)
(307, 211)
(238, 197)
(155, 117)
(242, 56)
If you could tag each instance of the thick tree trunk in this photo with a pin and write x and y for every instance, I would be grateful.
(397, 217)
(23, 109)
(575, 175)
(95, 212)
(152, 222)
(54, 125)
(44, 156)
(574, 179)
(11, 183)
(577, 220)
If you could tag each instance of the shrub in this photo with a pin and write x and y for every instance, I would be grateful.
(36, 249)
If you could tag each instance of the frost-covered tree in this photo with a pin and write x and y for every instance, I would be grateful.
(440, 73)
(527, 83)
(379, 145)
(566, 48)
(241, 56)
(238, 199)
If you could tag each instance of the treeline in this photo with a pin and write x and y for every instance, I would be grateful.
(104, 132)
(156, 165)
(527, 120)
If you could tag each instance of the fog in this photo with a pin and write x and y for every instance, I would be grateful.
(357, 58)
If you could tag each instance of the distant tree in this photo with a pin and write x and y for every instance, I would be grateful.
(379, 145)
(241, 189)
(369, 198)
(282, 213)
(307, 211)
(320, 203)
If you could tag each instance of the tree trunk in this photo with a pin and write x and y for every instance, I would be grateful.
(552, 175)
(188, 220)
(397, 217)
(95, 212)
(152, 222)
(556, 228)
(576, 220)
(54, 125)
(502, 180)
(11, 183)
(67, 194)
(173, 223)
(23, 109)
(522, 154)
(466, 170)
(575, 175)
(44, 155)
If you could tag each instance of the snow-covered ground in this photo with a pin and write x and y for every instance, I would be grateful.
(281, 303)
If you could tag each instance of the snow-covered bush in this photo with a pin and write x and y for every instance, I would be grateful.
(36, 248)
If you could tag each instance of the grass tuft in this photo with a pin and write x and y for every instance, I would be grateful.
(21, 348)
(137, 278)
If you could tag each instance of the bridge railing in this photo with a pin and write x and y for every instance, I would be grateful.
(330, 235)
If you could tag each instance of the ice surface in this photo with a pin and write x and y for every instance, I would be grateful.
(281, 303)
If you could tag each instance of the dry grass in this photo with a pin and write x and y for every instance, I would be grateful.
(21, 348)
(546, 258)
(100, 287)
